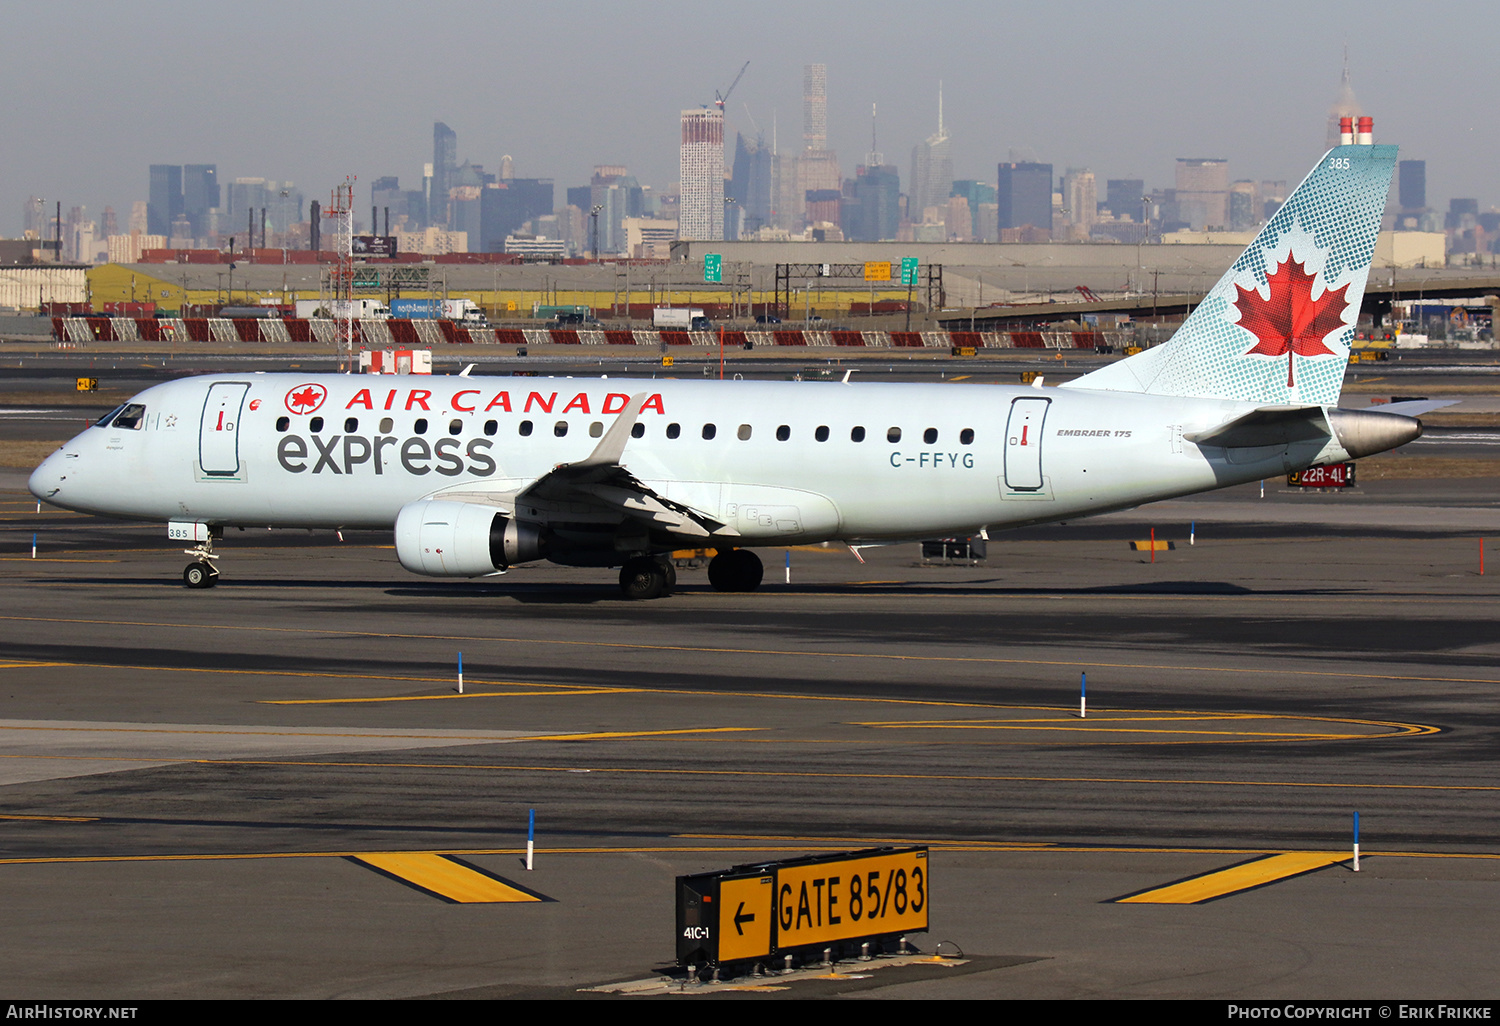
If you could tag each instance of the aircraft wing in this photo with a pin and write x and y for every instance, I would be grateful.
(601, 479)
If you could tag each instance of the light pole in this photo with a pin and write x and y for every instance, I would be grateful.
(594, 213)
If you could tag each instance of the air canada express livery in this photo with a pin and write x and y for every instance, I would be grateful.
(478, 474)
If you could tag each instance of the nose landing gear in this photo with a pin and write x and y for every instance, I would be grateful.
(201, 572)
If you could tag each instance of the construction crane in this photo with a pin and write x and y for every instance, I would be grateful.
(719, 101)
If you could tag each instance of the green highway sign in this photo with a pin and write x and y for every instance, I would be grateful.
(713, 267)
(908, 270)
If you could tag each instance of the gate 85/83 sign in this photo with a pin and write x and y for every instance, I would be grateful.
(755, 911)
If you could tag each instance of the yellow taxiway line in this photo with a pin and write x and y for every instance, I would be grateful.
(1233, 880)
(443, 877)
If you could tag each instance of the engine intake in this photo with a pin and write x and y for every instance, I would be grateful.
(463, 539)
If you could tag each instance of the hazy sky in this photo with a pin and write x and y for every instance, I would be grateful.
(312, 91)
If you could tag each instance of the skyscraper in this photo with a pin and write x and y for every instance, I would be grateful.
(931, 169)
(701, 174)
(1123, 197)
(505, 206)
(1081, 198)
(1412, 186)
(1024, 196)
(165, 203)
(1203, 192)
(444, 162)
(200, 194)
(979, 195)
(750, 186)
(815, 106)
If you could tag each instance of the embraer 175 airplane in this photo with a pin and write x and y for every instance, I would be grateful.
(478, 474)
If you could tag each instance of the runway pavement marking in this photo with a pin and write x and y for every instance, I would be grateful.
(1099, 725)
(448, 680)
(828, 775)
(552, 689)
(844, 844)
(864, 841)
(444, 877)
(1246, 876)
(619, 734)
(1398, 729)
(713, 650)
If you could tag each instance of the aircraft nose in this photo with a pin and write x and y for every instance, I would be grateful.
(47, 480)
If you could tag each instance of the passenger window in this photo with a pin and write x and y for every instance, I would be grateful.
(783, 433)
(524, 429)
(596, 429)
(637, 430)
(455, 426)
(316, 424)
(822, 433)
(673, 430)
(709, 431)
(351, 425)
(893, 435)
(420, 427)
(966, 436)
(929, 436)
(744, 432)
(857, 435)
(560, 428)
(386, 424)
(282, 423)
(490, 427)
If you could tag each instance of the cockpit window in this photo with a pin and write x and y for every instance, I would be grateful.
(104, 420)
(130, 417)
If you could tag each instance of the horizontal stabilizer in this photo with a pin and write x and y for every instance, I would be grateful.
(1269, 425)
(1414, 407)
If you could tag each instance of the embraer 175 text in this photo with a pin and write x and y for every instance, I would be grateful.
(478, 474)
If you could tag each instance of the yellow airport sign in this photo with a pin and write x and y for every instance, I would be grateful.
(878, 271)
(755, 912)
(87, 384)
(848, 898)
(744, 927)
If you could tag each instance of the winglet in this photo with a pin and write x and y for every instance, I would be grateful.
(611, 447)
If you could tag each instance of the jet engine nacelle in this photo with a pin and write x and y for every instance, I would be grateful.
(463, 539)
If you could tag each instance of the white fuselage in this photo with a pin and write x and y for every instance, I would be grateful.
(786, 461)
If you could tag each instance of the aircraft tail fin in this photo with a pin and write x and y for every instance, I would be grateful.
(1276, 327)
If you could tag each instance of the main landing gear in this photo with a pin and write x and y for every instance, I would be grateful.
(647, 577)
(735, 570)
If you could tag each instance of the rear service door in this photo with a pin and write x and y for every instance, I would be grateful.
(219, 432)
(1023, 443)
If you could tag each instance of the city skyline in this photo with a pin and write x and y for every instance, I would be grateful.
(89, 141)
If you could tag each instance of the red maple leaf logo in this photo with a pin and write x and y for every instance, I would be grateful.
(306, 398)
(1291, 321)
